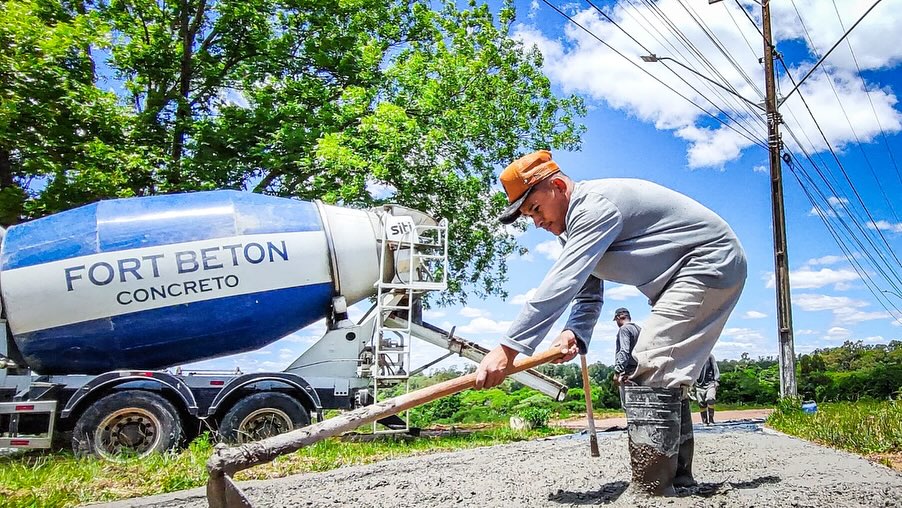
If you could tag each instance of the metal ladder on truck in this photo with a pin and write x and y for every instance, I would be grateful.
(421, 265)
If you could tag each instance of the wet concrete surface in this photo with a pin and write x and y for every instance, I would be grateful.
(736, 465)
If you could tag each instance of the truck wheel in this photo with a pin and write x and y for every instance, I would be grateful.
(262, 415)
(132, 423)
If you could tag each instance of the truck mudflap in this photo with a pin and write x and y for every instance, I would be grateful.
(111, 379)
(292, 380)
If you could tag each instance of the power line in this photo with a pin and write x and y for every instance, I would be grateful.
(663, 41)
(695, 52)
(830, 50)
(842, 202)
(862, 273)
(753, 141)
(746, 39)
(654, 58)
(868, 93)
(717, 44)
(839, 163)
(842, 108)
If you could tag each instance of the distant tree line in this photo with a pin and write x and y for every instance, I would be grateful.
(853, 371)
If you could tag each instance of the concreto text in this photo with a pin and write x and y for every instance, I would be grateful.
(204, 261)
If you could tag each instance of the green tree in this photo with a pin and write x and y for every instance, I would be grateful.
(60, 136)
(424, 104)
(356, 102)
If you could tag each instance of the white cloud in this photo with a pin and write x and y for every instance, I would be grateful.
(432, 314)
(552, 249)
(835, 207)
(761, 169)
(805, 331)
(868, 40)
(832, 115)
(825, 260)
(875, 339)
(523, 298)
(814, 303)
(847, 316)
(533, 9)
(619, 292)
(838, 332)
(472, 312)
(483, 325)
(737, 340)
(604, 328)
(754, 314)
(846, 311)
(883, 225)
(513, 230)
(742, 334)
(806, 278)
(379, 190)
(580, 64)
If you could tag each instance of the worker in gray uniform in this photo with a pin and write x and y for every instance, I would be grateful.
(627, 335)
(682, 256)
(706, 389)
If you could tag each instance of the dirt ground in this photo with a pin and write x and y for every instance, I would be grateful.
(738, 465)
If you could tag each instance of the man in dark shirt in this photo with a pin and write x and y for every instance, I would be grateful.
(627, 335)
(706, 389)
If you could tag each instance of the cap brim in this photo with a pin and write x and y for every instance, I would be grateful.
(512, 212)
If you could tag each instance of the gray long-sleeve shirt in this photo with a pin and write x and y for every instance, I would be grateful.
(627, 335)
(633, 232)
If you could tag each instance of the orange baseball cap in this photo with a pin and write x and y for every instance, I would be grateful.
(521, 177)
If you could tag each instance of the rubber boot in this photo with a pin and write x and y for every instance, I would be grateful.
(653, 426)
(704, 413)
(711, 415)
(683, 476)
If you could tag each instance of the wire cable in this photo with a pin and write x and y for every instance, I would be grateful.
(868, 93)
(856, 265)
(842, 108)
(617, 25)
(840, 165)
(819, 62)
(753, 141)
(699, 56)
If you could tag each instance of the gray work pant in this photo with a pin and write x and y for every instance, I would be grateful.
(706, 395)
(678, 337)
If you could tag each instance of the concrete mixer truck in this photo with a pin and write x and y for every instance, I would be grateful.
(102, 304)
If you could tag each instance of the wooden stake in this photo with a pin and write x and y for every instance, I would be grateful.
(593, 437)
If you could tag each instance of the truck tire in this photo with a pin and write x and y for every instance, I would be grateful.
(132, 423)
(262, 415)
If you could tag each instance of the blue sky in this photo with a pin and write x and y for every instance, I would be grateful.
(637, 128)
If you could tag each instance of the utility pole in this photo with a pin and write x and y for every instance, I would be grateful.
(788, 387)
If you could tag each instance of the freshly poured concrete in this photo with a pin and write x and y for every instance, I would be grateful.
(736, 465)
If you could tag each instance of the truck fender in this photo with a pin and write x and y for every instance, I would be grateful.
(293, 380)
(110, 379)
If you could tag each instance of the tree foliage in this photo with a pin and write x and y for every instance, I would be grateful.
(355, 102)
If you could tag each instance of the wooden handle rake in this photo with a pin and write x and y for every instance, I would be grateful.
(226, 461)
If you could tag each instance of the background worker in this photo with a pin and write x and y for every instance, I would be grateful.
(679, 254)
(706, 389)
(627, 336)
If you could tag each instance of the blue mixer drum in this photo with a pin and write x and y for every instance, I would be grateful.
(147, 283)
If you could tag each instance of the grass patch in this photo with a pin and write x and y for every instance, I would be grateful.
(42, 479)
(861, 427)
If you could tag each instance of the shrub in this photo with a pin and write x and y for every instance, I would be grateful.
(537, 417)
